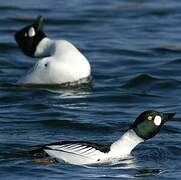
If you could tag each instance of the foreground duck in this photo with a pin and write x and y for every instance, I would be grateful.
(61, 62)
(146, 126)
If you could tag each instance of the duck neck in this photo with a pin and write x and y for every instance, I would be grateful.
(127, 142)
(45, 48)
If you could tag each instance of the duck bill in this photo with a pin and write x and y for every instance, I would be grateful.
(168, 116)
(38, 25)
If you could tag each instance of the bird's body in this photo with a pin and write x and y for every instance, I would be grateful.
(62, 63)
(82, 152)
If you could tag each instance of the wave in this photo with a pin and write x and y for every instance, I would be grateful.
(167, 49)
(140, 80)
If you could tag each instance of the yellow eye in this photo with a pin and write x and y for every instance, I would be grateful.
(150, 118)
(25, 34)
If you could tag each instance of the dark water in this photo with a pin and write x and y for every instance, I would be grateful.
(134, 48)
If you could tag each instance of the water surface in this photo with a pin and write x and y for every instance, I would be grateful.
(134, 48)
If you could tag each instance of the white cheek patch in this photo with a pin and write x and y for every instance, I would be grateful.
(157, 121)
(31, 32)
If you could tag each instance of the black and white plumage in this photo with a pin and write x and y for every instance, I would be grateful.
(77, 152)
(60, 61)
(83, 152)
(147, 125)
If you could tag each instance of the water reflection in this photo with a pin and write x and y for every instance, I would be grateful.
(148, 172)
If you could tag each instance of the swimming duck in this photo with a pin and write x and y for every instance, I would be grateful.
(146, 126)
(60, 61)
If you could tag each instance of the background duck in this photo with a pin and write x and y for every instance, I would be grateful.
(60, 61)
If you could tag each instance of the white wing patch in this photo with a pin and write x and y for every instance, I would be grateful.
(75, 153)
(76, 148)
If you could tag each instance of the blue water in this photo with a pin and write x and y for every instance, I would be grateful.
(134, 48)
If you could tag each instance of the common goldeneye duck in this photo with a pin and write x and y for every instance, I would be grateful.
(146, 126)
(61, 62)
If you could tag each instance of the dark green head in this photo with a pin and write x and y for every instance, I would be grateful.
(149, 123)
(29, 37)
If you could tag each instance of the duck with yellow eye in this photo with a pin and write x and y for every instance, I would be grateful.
(146, 125)
(149, 123)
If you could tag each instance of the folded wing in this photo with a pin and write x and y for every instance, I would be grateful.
(77, 152)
